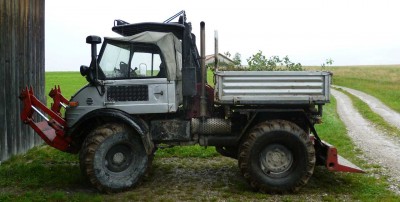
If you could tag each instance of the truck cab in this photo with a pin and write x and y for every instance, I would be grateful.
(139, 74)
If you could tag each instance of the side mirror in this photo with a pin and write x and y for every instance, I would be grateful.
(84, 70)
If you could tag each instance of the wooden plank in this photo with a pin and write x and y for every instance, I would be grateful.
(22, 63)
(3, 59)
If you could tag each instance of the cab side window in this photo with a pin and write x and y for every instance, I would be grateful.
(146, 64)
(130, 61)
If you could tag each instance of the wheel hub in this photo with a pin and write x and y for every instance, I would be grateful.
(275, 159)
(119, 157)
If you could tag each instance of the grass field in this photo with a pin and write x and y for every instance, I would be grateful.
(69, 82)
(183, 173)
(383, 82)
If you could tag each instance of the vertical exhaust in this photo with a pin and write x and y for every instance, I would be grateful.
(203, 101)
(216, 50)
(93, 41)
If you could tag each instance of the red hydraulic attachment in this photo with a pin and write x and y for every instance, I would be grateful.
(335, 162)
(52, 129)
(332, 160)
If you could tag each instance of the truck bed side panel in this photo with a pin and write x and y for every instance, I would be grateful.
(272, 87)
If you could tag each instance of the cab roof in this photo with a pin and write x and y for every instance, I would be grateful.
(126, 29)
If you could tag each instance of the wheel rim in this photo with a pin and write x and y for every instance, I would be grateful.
(275, 160)
(119, 157)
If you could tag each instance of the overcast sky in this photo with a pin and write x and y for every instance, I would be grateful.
(351, 32)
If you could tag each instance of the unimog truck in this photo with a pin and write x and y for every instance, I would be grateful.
(148, 88)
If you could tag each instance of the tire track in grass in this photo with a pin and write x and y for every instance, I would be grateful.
(389, 115)
(378, 148)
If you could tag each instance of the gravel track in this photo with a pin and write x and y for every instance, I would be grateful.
(378, 148)
(389, 115)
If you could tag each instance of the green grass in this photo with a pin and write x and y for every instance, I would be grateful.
(382, 82)
(184, 173)
(363, 187)
(187, 151)
(69, 82)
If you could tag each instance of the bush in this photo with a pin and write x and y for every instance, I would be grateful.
(259, 62)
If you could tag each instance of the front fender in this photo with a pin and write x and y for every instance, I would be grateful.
(102, 116)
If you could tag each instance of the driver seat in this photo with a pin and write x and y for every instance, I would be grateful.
(124, 69)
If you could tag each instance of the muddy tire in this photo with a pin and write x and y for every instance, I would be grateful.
(113, 158)
(277, 157)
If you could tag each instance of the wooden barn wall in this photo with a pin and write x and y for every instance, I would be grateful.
(21, 63)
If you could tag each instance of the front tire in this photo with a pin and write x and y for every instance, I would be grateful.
(277, 157)
(113, 158)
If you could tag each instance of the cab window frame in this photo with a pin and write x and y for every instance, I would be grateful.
(135, 47)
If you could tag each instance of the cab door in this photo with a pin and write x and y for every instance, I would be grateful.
(138, 96)
(135, 79)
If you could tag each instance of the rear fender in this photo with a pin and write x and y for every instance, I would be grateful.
(103, 115)
(269, 114)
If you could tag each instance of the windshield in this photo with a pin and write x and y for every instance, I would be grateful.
(133, 60)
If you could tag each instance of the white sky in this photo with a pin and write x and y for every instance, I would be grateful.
(351, 32)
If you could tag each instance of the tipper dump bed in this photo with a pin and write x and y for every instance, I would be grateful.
(272, 87)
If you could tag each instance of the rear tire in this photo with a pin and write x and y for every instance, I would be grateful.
(113, 158)
(277, 157)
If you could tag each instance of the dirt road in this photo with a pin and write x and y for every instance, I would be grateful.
(378, 148)
(389, 115)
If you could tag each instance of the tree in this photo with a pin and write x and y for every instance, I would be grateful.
(328, 62)
(258, 62)
(237, 59)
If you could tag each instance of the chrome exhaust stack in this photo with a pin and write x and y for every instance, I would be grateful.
(203, 100)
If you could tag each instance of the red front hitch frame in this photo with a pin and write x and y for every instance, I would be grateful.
(52, 129)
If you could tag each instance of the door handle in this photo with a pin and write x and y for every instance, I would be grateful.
(160, 93)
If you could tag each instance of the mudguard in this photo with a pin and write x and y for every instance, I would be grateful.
(137, 123)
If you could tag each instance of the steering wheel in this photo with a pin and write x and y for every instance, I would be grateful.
(125, 70)
(117, 71)
(134, 74)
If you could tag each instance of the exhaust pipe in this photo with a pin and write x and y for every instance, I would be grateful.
(216, 50)
(93, 41)
(203, 101)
